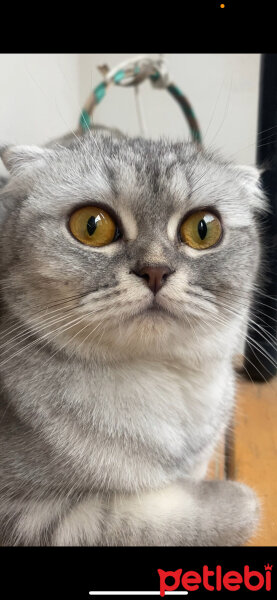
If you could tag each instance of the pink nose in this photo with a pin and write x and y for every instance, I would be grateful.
(155, 277)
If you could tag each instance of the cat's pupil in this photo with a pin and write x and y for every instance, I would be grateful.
(202, 229)
(91, 226)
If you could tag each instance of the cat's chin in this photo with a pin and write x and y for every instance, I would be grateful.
(152, 325)
(151, 318)
(151, 332)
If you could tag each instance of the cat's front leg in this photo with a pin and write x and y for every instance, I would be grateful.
(208, 513)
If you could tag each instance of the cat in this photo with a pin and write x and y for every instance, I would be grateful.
(124, 263)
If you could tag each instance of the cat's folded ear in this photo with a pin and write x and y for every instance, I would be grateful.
(250, 178)
(17, 159)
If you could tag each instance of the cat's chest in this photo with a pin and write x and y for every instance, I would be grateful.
(127, 396)
(148, 419)
(152, 404)
(128, 426)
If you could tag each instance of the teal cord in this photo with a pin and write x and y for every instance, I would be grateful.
(100, 91)
(119, 76)
(85, 120)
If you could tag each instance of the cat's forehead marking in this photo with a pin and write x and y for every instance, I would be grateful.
(179, 186)
(149, 195)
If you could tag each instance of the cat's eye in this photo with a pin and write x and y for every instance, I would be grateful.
(93, 226)
(201, 230)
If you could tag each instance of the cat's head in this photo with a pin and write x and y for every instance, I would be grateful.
(129, 245)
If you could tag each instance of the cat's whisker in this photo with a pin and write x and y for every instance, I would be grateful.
(45, 324)
(83, 146)
(205, 302)
(260, 320)
(247, 359)
(78, 138)
(247, 373)
(256, 312)
(44, 308)
(223, 322)
(76, 350)
(23, 326)
(268, 337)
(254, 144)
(194, 331)
(269, 136)
(252, 342)
(89, 130)
(248, 337)
(257, 289)
(240, 295)
(254, 323)
(21, 337)
(225, 113)
(265, 130)
(248, 305)
(51, 322)
(11, 329)
(62, 328)
(73, 337)
(213, 111)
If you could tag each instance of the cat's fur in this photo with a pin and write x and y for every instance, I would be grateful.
(107, 422)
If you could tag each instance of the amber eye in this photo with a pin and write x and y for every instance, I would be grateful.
(93, 226)
(201, 230)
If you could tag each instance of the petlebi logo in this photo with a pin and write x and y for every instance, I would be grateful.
(211, 580)
(215, 581)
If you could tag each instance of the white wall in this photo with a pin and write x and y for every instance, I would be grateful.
(41, 97)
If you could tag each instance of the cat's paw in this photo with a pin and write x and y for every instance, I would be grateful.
(235, 514)
(81, 526)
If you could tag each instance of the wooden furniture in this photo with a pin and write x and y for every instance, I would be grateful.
(251, 452)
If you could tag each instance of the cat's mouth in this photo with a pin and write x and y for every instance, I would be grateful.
(155, 309)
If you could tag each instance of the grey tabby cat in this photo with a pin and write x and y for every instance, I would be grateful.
(123, 266)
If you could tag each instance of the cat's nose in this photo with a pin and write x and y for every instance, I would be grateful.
(155, 277)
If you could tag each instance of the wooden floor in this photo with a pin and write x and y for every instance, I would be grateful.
(252, 456)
